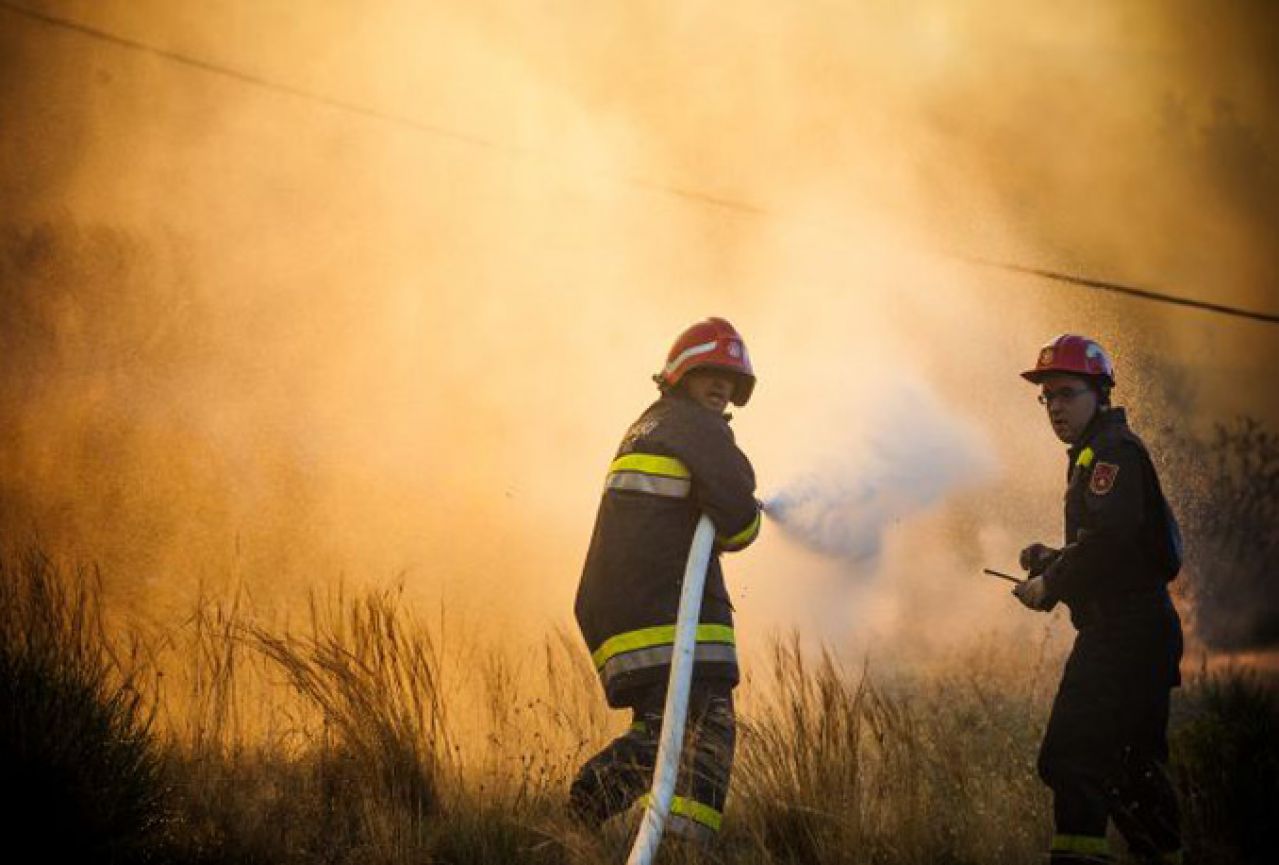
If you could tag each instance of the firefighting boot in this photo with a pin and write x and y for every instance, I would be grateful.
(614, 778)
(586, 807)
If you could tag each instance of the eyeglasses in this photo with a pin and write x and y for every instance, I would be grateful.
(1061, 394)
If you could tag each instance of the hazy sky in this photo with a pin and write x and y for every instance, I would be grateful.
(252, 334)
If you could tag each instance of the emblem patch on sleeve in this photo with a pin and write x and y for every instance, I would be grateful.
(1103, 478)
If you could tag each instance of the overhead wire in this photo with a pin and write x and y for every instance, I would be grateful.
(355, 108)
(466, 138)
(1128, 290)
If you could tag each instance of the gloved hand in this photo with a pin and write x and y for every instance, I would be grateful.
(1034, 594)
(1036, 558)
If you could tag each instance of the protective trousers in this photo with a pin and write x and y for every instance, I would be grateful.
(615, 778)
(1106, 745)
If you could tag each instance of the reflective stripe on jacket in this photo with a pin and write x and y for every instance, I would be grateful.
(676, 462)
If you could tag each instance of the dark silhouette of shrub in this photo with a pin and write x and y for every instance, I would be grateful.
(1225, 755)
(80, 776)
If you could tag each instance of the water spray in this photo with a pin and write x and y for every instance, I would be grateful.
(908, 453)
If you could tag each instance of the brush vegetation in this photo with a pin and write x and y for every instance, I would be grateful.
(361, 736)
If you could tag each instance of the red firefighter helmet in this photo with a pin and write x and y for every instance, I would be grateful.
(1071, 354)
(710, 343)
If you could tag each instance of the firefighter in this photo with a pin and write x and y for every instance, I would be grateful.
(677, 461)
(1104, 751)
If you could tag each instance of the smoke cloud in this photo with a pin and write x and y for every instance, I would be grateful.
(252, 335)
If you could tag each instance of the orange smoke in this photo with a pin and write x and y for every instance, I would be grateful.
(396, 325)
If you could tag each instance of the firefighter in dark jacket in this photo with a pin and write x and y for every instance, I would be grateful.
(1104, 751)
(677, 461)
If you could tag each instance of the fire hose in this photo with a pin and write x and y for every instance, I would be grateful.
(674, 715)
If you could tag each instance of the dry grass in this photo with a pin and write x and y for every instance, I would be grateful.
(836, 767)
(358, 736)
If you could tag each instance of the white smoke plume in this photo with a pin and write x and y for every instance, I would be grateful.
(911, 453)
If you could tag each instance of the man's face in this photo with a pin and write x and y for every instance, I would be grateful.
(1071, 403)
(710, 388)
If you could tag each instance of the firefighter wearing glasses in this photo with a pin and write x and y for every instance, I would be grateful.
(677, 461)
(1106, 742)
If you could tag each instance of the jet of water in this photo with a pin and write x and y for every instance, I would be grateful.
(911, 455)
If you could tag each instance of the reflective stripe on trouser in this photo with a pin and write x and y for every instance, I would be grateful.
(655, 647)
(1071, 849)
(690, 819)
(620, 775)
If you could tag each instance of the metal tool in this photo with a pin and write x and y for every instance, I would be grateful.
(1009, 577)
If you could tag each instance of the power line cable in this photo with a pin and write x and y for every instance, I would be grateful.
(1129, 290)
(352, 107)
(244, 77)
(652, 186)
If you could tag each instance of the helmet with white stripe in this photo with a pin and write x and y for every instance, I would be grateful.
(1073, 354)
(714, 344)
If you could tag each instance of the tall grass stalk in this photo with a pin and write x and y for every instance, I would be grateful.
(375, 678)
(837, 768)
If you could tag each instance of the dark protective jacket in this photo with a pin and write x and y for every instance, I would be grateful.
(676, 462)
(1122, 541)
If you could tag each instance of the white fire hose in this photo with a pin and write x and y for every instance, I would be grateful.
(674, 715)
